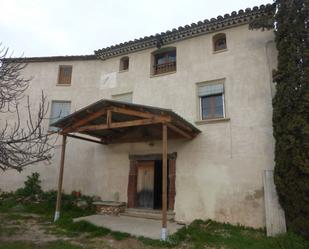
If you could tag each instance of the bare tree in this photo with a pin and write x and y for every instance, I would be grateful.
(23, 142)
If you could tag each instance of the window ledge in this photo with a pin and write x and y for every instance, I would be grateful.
(211, 121)
(63, 85)
(220, 51)
(162, 74)
(123, 71)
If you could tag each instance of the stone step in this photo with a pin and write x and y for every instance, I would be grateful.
(147, 214)
(148, 211)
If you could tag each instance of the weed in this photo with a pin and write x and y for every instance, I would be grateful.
(290, 241)
(29, 245)
(154, 242)
(119, 235)
(8, 230)
(75, 228)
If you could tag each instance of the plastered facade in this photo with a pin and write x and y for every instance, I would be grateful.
(219, 173)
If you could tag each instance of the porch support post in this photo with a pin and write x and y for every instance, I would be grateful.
(164, 232)
(58, 203)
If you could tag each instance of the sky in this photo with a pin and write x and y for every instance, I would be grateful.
(78, 27)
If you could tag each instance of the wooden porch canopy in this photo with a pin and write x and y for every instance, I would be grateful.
(108, 122)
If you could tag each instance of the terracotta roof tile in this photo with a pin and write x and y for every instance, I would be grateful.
(188, 31)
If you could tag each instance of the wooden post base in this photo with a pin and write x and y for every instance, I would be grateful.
(57, 216)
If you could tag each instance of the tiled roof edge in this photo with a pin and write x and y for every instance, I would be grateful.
(188, 31)
(52, 58)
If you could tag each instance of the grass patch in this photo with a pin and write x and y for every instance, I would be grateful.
(29, 245)
(8, 231)
(155, 243)
(76, 228)
(7, 204)
(220, 235)
(16, 216)
(45, 207)
(119, 235)
(290, 241)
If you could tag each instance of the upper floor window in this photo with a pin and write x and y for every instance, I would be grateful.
(124, 97)
(124, 64)
(164, 61)
(211, 97)
(65, 75)
(59, 109)
(219, 42)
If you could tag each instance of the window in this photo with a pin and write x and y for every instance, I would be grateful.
(59, 109)
(219, 42)
(124, 64)
(65, 75)
(211, 98)
(164, 61)
(125, 97)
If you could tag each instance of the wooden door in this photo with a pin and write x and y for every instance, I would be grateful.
(145, 184)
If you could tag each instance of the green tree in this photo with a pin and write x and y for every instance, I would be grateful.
(291, 112)
(291, 109)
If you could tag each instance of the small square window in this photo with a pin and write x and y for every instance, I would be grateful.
(65, 75)
(211, 97)
(219, 42)
(124, 64)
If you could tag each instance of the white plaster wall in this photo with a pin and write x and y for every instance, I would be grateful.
(219, 173)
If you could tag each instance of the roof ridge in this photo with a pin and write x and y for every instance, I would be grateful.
(183, 32)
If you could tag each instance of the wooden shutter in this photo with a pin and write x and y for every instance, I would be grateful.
(65, 75)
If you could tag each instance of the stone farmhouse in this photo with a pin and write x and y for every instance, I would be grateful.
(208, 84)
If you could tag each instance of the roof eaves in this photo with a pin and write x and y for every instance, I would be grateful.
(188, 31)
(51, 58)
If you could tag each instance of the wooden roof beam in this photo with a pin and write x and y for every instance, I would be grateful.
(141, 114)
(179, 131)
(131, 140)
(114, 125)
(84, 121)
(85, 139)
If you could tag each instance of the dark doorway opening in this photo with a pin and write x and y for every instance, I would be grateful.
(157, 202)
(157, 195)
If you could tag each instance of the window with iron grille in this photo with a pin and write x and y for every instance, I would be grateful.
(164, 61)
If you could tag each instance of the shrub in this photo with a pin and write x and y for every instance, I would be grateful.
(32, 187)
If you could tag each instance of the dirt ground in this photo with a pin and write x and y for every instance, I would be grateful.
(34, 229)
